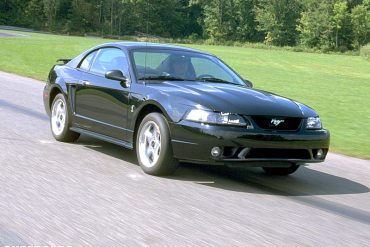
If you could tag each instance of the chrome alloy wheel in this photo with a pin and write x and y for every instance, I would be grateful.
(58, 117)
(149, 144)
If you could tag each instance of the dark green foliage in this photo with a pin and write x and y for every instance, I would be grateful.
(278, 20)
(34, 13)
(12, 12)
(314, 26)
(327, 25)
(230, 20)
(360, 18)
(334, 25)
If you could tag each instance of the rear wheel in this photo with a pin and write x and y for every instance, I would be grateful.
(153, 146)
(281, 170)
(60, 120)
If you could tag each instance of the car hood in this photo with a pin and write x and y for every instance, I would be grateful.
(231, 98)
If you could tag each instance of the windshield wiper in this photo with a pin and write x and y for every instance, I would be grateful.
(173, 78)
(162, 77)
(214, 79)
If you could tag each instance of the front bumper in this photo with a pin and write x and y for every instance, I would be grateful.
(193, 142)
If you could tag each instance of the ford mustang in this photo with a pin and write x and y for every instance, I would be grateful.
(174, 104)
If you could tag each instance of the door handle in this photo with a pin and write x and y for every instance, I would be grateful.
(85, 82)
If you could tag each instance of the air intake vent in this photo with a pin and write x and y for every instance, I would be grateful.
(279, 153)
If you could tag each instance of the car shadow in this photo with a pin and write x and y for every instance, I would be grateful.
(304, 182)
(107, 148)
(305, 187)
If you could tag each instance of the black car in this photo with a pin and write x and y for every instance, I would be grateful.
(174, 104)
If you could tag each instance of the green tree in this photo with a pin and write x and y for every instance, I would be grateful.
(218, 19)
(278, 20)
(12, 12)
(340, 18)
(50, 11)
(83, 17)
(330, 24)
(230, 20)
(192, 18)
(165, 18)
(246, 26)
(35, 14)
(314, 26)
(326, 25)
(360, 18)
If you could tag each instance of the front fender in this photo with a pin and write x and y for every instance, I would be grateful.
(172, 109)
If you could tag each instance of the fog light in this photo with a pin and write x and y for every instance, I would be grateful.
(216, 151)
(319, 154)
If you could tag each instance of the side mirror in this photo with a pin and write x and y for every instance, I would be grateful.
(117, 75)
(248, 82)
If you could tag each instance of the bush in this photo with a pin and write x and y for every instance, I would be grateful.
(365, 52)
(194, 37)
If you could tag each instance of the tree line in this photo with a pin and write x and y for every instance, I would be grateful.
(323, 24)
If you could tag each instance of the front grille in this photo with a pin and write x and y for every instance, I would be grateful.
(277, 123)
(272, 153)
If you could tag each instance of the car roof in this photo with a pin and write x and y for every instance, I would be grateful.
(132, 46)
(137, 45)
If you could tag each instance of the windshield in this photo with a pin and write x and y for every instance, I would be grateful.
(159, 65)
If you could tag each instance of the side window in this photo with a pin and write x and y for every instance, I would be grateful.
(152, 61)
(149, 64)
(85, 65)
(110, 59)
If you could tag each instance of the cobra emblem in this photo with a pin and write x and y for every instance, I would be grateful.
(276, 122)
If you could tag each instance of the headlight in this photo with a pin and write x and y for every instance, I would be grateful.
(313, 123)
(202, 116)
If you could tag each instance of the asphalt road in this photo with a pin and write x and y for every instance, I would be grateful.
(92, 193)
(6, 35)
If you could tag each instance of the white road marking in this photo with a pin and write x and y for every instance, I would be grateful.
(135, 176)
(46, 142)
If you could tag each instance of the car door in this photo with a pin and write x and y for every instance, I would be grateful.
(101, 104)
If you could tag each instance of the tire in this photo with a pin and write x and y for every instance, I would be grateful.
(281, 171)
(153, 146)
(60, 120)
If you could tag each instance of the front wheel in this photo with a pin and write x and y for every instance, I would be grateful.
(281, 170)
(153, 146)
(60, 120)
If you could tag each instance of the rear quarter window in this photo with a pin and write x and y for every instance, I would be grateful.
(86, 62)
